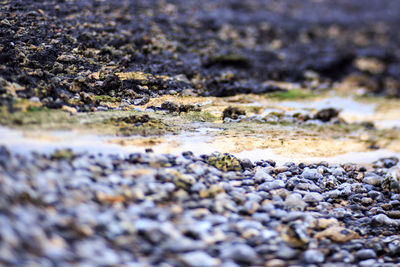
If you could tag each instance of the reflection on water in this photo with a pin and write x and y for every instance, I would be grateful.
(350, 110)
(346, 105)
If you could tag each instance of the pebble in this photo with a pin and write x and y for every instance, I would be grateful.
(295, 202)
(275, 263)
(384, 220)
(337, 234)
(311, 174)
(365, 254)
(313, 256)
(286, 253)
(262, 175)
(199, 259)
(372, 179)
(313, 197)
(267, 186)
(240, 253)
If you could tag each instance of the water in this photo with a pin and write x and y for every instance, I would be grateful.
(364, 157)
(199, 142)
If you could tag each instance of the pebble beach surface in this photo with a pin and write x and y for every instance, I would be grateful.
(146, 209)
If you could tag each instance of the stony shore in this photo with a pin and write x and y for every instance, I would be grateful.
(138, 82)
(143, 210)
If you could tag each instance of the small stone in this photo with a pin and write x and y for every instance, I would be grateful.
(240, 253)
(372, 179)
(250, 207)
(34, 99)
(199, 259)
(323, 223)
(295, 202)
(366, 201)
(337, 234)
(188, 92)
(281, 169)
(275, 263)
(394, 247)
(5, 22)
(384, 220)
(66, 58)
(232, 113)
(313, 256)
(295, 234)
(368, 263)
(313, 197)
(365, 254)
(386, 162)
(312, 174)
(286, 253)
(343, 256)
(267, 186)
(229, 264)
(338, 172)
(394, 214)
(246, 164)
(261, 175)
(69, 109)
(326, 114)
(224, 162)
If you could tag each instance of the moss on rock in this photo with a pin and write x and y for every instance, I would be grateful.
(224, 162)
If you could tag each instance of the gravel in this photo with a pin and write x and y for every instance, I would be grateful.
(163, 210)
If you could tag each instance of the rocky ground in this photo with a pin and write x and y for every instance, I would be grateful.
(162, 210)
(77, 53)
(305, 79)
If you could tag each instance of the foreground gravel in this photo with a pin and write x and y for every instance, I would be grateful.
(164, 210)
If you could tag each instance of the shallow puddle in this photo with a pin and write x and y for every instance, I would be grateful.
(247, 139)
(350, 109)
(365, 157)
(203, 141)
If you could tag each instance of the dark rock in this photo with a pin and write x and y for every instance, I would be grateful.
(326, 115)
(232, 113)
(365, 254)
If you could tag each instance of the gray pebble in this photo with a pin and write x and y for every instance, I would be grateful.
(286, 253)
(372, 179)
(313, 256)
(313, 197)
(384, 220)
(365, 254)
(311, 174)
(295, 202)
(241, 253)
(199, 259)
(262, 175)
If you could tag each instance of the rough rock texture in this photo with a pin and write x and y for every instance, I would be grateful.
(65, 51)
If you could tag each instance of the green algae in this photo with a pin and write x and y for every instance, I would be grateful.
(138, 125)
(295, 94)
(199, 116)
(38, 117)
(107, 98)
(224, 162)
(66, 154)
